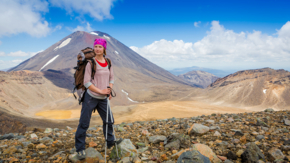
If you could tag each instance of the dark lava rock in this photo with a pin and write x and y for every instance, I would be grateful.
(261, 123)
(260, 137)
(231, 155)
(192, 156)
(286, 142)
(239, 133)
(252, 154)
(7, 136)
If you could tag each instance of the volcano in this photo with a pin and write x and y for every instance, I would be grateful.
(136, 78)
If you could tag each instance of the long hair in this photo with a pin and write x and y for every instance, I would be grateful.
(105, 52)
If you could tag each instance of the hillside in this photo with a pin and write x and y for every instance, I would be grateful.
(253, 88)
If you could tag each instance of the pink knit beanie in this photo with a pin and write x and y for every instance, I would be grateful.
(101, 41)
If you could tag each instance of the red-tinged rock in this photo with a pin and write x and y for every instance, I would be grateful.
(41, 146)
(194, 142)
(243, 140)
(222, 157)
(58, 160)
(176, 155)
(164, 157)
(13, 160)
(145, 132)
(31, 161)
(153, 158)
(93, 144)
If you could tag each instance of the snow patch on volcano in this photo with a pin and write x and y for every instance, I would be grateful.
(64, 43)
(107, 37)
(47, 63)
(94, 33)
(128, 97)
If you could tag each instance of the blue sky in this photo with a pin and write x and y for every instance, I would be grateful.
(213, 34)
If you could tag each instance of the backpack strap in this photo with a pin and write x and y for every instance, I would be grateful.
(93, 65)
(109, 62)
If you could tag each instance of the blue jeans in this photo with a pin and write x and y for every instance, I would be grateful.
(88, 105)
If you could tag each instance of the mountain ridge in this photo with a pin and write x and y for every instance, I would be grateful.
(199, 78)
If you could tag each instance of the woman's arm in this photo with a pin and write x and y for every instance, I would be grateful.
(97, 90)
(111, 80)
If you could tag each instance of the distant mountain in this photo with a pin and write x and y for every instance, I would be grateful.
(218, 73)
(200, 79)
(253, 88)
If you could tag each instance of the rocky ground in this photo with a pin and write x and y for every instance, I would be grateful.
(244, 137)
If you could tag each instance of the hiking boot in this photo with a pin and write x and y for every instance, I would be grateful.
(81, 155)
(110, 145)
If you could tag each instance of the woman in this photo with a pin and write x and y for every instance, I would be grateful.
(96, 97)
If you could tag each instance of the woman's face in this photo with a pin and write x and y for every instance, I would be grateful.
(99, 49)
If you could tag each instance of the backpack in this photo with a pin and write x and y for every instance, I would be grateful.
(86, 55)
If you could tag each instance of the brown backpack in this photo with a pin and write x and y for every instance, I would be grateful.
(86, 55)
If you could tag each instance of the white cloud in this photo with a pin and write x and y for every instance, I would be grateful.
(98, 9)
(221, 45)
(165, 50)
(88, 28)
(9, 64)
(58, 27)
(196, 24)
(23, 16)
(20, 54)
(17, 61)
(78, 28)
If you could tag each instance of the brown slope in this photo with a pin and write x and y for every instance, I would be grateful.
(253, 88)
(133, 73)
(25, 92)
(200, 79)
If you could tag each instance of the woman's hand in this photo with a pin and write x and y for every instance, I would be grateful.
(106, 91)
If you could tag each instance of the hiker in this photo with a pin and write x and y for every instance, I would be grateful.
(96, 98)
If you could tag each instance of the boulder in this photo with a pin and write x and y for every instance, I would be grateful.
(252, 154)
(192, 156)
(269, 110)
(157, 139)
(48, 130)
(231, 155)
(91, 156)
(7, 136)
(207, 152)
(173, 145)
(198, 129)
(286, 122)
(275, 154)
(33, 136)
(125, 149)
(217, 134)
